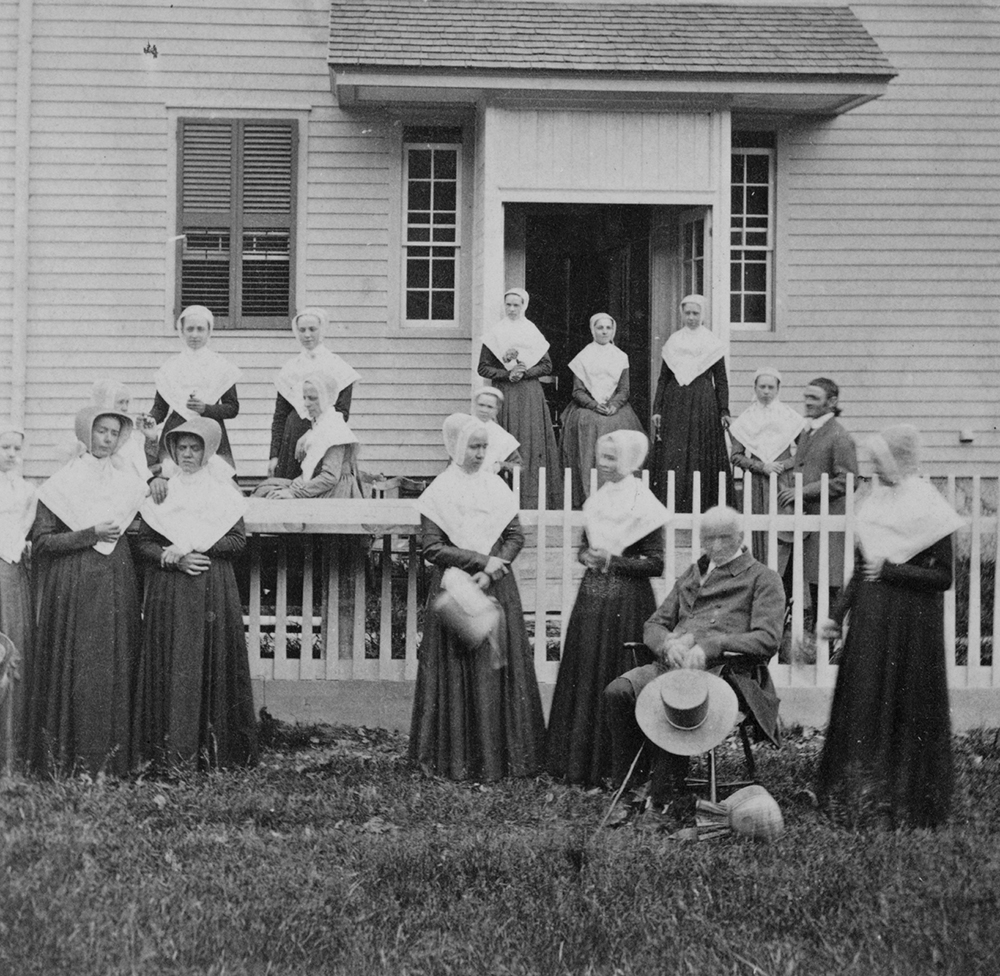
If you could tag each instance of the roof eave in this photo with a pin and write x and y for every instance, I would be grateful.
(786, 93)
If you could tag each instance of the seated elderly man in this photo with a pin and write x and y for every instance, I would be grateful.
(724, 615)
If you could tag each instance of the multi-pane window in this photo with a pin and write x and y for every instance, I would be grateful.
(693, 255)
(431, 245)
(237, 214)
(751, 255)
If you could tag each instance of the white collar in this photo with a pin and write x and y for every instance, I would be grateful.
(819, 421)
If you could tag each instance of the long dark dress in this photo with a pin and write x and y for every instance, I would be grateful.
(86, 644)
(194, 699)
(227, 407)
(889, 722)
(691, 437)
(525, 414)
(759, 484)
(472, 720)
(610, 610)
(16, 623)
(287, 427)
(582, 425)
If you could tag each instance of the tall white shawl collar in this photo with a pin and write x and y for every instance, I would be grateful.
(765, 431)
(500, 444)
(17, 513)
(895, 522)
(600, 368)
(472, 509)
(689, 352)
(202, 372)
(296, 371)
(621, 513)
(89, 490)
(328, 430)
(522, 335)
(200, 508)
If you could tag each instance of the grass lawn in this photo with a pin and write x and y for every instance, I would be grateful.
(334, 857)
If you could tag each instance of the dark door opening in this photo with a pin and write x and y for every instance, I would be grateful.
(585, 258)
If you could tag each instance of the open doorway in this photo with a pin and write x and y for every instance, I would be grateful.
(629, 260)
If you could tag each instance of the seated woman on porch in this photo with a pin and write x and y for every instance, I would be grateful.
(477, 713)
(502, 454)
(514, 355)
(197, 382)
(194, 700)
(327, 452)
(622, 549)
(762, 440)
(691, 414)
(88, 630)
(600, 402)
(17, 513)
(291, 418)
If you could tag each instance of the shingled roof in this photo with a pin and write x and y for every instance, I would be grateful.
(528, 35)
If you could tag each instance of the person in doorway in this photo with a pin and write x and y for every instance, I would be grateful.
(514, 356)
(723, 615)
(823, 447)
(599, 405)
(691, 413)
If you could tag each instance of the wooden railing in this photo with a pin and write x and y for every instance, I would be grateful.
(336, 588)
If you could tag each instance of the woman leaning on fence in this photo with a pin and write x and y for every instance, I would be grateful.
(477, 713)
(622, 549)
(890, 734)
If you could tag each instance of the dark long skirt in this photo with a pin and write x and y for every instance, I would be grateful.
(691, 439)
(194, 699)
(890, 725)
(471, 719)
(288, 465)
(610, 610)
(80, 678)
(16, 623)
(580, 432)
(525, 414)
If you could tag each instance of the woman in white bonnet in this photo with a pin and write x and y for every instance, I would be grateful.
(890, 727)
(477, 713)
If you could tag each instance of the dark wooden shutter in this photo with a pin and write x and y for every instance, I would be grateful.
(236, 194)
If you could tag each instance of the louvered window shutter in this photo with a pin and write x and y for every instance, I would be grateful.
(237, 214)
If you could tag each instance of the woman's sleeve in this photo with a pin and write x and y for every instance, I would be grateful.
(326, 478)
(929, 570)
(511, 540)
(661, 388)
(343, 404)
(542, 368)
(227, 407)
(620, 397)
(282, 408)
(581, 395)
(437, 549)
(642, 558)
(231, 544)
(150, 544)
(159, 409)
(49, 537)
(844, 602)
(721, 386)
(741, 459)
(489, 366)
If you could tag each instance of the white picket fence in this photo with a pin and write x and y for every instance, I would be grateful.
(334, 583)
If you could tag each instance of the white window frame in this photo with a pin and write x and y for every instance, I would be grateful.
(767, 250)
(406, 243)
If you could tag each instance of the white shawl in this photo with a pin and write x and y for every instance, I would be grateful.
(690, 352)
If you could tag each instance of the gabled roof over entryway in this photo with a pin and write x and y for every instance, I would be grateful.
(817, 59)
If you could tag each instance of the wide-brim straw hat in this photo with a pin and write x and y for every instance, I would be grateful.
(686, 712)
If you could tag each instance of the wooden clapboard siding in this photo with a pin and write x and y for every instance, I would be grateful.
(103, 207)
(888, 224)
(8, 112)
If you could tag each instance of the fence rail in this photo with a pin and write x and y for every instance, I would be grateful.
(336, 587)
